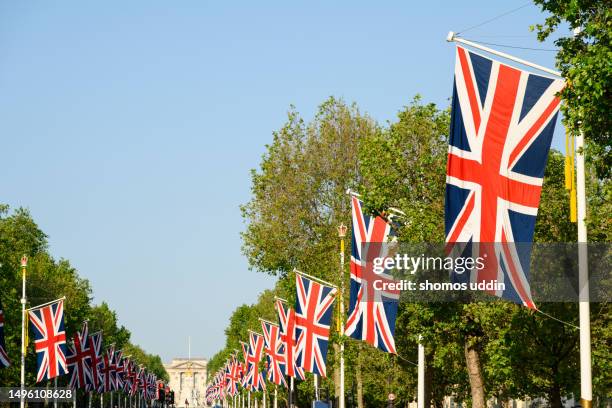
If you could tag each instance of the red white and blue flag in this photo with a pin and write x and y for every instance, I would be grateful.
(94, 349)
(313, 313)
(108, 371)
(129, 373)
(120, 369)
(232, 376)
(286, 322)
(275, 353)
(502, 123)
(372, 312)
(47, 324)
(254, 378)
(78, 359)
(4, 360)
(244, 367)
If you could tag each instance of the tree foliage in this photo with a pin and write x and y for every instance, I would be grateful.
(49, 279)
(585, 60)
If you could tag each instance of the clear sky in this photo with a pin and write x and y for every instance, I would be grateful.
(129, 128)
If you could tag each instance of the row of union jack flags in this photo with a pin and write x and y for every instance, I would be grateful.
(502, 123)
(88, 366)
(297, 344)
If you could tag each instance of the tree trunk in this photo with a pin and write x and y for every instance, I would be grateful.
(359, 379)
(555, 397)
(472, 360)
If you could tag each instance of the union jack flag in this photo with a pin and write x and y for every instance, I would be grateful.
(119, 369)
(244, 367)
(372, 312)
(232, 376)
(128, 374)
(151, 386)
(313, 313)
(78, 359)
(254, 379)
(286, 322)
(138, 381)
(94, 349)
(4, 360)
(49, 340)
(502, 124)
(108, 371)
(275, 353)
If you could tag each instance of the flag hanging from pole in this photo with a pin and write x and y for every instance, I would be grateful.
(78, 359)
(232, 376)
(313, 312)
(108, 371)
(371, 312)
(49, 340)
(275, 353)
(502, 123)
(286, 322)
(94, 342)
(254, 379)
(4, 360)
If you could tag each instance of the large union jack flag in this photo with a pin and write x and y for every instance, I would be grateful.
(372, 312)
(502, 124)
(4, 360)
(286, 322)
(275, 353)
(78, 359)
(313, 313)
(49, 340)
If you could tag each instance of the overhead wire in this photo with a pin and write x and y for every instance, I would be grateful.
(513, 46)
(487, 21)
(495, 18)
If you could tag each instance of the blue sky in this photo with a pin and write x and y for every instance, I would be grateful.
(129, 128)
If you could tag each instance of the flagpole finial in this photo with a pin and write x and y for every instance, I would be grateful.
(24, 261)
(342, 230)
(450, 37)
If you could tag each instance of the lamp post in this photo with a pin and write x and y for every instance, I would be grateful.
(24, 266)
(341, 234)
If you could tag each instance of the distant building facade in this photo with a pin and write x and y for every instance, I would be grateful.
(188, 380)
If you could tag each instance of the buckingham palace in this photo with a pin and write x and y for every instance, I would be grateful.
(188, 380)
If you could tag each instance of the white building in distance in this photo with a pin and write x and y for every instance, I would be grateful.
(188, 381)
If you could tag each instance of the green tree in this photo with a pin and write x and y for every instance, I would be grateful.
(585, 60)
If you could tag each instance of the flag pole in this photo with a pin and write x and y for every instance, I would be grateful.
(314, 278)
(421, 375)
(452, 37)
(341, 234)
(584, 312)
(24, 265)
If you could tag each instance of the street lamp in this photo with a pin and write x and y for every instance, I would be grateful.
(341, 234)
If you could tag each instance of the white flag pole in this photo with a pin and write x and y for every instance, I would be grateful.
(586, 386)
(451, 37)
(584, 308)
(24, 265)
(421, 375)
(341, 234)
